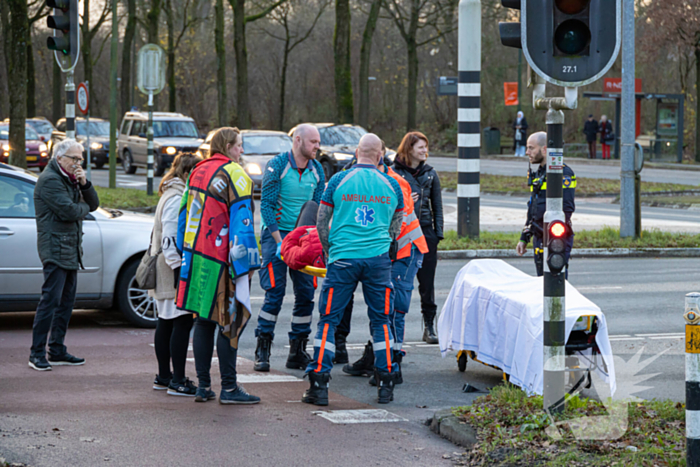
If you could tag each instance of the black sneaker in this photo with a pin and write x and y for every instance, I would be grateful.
(186, 388)
(204, 394)
(237, 396)
(66, 359)
(39, 364)
(161, 384)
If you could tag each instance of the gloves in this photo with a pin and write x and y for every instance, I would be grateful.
(278, 253)
(236, 251)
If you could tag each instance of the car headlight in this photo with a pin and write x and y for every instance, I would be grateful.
(199, 153)
(582, 324)
(43, 148)
(341, 156)
(253, 169)
(96, 146)
(171, 151)
(6, 147)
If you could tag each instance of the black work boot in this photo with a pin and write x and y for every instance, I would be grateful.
(317, 393)
(298, 359)
(341, 352)
(398, 379)
(429, 335)
(364, 366)
(385, 388)
(262, 353)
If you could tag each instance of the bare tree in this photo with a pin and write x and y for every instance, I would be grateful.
(411, 18)
(341, 55)
(365, 54)
(89, 33)
(291, 38)
(128, 43)
(39, 11)
(173, 44)
(222, 100)
(152, 19)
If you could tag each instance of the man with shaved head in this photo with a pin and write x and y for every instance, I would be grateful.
(291, 179)
(537, 205)
(366, 207)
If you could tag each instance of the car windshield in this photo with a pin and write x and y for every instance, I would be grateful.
(341, 135)
(41, 126)
(96, 128)
(266, 144)
(29, 134)
(172, 128)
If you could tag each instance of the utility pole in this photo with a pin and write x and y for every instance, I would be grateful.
(469, 118)
(628, 200)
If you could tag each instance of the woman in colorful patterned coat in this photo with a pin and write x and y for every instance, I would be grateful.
(219, 255)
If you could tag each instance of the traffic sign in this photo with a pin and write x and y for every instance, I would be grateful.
(150, 75)
(83, 98)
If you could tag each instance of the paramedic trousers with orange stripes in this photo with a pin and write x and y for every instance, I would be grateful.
(273, 279)
(341, 280)
(403, 272)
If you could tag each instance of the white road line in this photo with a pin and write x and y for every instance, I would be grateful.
(359, 416)
(659, 334)
(619, 335)
(679, 336)
(598, 288)
(628, 339)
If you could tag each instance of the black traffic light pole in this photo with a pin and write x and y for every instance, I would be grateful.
(554, 337)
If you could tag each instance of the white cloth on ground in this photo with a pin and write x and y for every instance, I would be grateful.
(496, 311)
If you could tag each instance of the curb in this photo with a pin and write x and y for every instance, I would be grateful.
(578, 253)
(451, 428)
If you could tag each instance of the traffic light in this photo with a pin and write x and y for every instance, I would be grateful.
(556, 246)
(65, 41)
(567, 42)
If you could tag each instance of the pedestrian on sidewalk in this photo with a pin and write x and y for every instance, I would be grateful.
(607, 137)
(366, 207)
(537, 204)
(291, 179)
(520, 136)
(219, 256)
(411, 164)
(172, 336)
(62, 198)
(590, 129)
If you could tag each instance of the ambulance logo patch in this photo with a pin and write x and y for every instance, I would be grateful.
(365, 215)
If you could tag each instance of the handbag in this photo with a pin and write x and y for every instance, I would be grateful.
(146, 272)
(610, 137)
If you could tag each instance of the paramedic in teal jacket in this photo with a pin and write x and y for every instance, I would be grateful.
(366, 206)
(291, 179)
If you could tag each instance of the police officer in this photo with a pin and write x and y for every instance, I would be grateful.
(367, 209)
(537, 205)
(291, 179)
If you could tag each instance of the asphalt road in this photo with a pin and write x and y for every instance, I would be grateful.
(106, 412)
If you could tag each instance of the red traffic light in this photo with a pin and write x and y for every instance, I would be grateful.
(571, 7)
(557, 229)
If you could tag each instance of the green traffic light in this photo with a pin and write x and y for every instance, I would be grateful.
(572, 37)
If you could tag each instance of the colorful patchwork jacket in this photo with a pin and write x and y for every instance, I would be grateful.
(218, 245)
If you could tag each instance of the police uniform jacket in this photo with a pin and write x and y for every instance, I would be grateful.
(537, 205)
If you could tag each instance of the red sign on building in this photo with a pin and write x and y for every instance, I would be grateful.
(615, 85)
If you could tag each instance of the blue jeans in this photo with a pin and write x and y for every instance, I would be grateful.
(273, 279)
(341, 280)
(403, 272)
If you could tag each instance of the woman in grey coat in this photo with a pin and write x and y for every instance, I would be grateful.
(172, 335)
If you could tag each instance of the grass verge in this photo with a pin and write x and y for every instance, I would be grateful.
(506, 184)
(511, 431)
(604, 238)
(684, 201)
(125, 198)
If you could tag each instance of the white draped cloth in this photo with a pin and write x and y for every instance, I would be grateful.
(496, 311)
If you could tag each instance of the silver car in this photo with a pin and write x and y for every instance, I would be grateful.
(113, 244)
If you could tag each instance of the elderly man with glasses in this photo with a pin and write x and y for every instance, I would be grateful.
(62, 198)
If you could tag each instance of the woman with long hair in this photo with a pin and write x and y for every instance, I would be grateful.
(411, 164)
(172, 335)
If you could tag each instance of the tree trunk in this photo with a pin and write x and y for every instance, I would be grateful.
(31, 86)
(152, 19)
(283, 83)
(17, 74)
(242, 107)
(130, 31)
(220, 63)
(341, 55)
(171, 58)
(56, 94)
(365, 52)
(697, 104)
(412, 85)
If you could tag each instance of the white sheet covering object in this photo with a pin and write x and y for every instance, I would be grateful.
(495, 310)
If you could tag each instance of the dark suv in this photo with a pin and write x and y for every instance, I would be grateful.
(172, 133)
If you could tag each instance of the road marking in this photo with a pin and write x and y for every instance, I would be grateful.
(628, 339)
(599, 288)
(359, 416)
(132, 183)
(658, 334)
(678, 336)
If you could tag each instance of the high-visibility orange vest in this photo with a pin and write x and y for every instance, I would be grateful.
(411, 232)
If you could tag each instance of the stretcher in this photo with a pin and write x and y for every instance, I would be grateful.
(493, 316)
